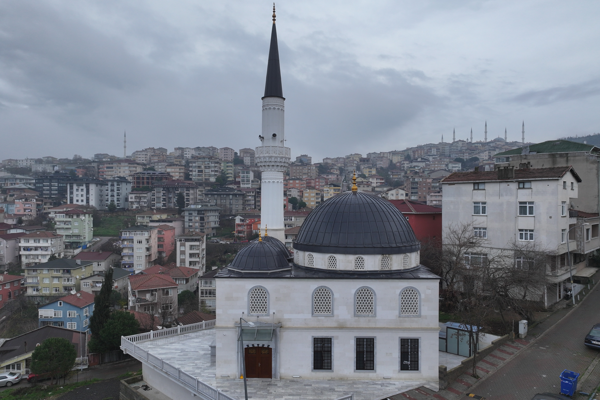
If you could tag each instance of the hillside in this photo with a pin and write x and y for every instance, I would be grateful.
(593, 139)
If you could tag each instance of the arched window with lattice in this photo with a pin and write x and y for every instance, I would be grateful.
(410, 302)
(258, 301)
(386, 262)
(405, 261)
(364, 302)
(359, 263)
(322, 302)
(310, 260)
(331, 262)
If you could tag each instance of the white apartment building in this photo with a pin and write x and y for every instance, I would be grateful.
(191, 251)
(204, 169)
(139, 199)
(202, 218)
(117, 191)
(511, 207)
(37, 247)
(246, 177)
(226, 153)
(76, 226)
(140, 247)
(88, 192)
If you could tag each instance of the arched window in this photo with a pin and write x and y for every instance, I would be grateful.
(310, 260)
(405, 260)
(364, 302)
(386, 263)
(331, 262)
(322, 301)
(410, 302)
(258, 301)
(359, 263)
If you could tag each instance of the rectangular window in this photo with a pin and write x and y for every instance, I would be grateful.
(563, 209)
(45, 280)
(409, 354)
(480, 232)
(475, 259)
(594, 231)
(167, 292)
(365, 354)
(523, 263)
(572, 185)
(588, 234)
(85, 284)
(71, 314)
(55, 280)
(526, 208)
(524, 185)
(57, 314)
(86, 312)
(322, 354)
(86, 322)
(478, 186)
(563, 235)
(526, 234)
(45, 290)
(480, 208)
(71, 325)
(565, 185)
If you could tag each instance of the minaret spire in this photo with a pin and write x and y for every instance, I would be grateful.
(273, 87)
(125, 144)
(505, 134)
(453, 135)
(471, 135)
(485, 135)
(523, 133)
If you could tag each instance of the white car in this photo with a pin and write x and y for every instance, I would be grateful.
(9, 378)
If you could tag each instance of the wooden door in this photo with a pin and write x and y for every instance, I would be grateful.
(258, 362)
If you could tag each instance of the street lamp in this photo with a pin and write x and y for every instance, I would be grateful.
(571, 261)
(243, 355)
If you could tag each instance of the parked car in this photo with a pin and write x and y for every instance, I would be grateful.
(32, 378)
(550, 396)
(9, 378)
(593, 338)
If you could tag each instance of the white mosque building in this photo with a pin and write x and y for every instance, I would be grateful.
(352, 311)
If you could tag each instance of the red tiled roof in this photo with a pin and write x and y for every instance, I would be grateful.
(182, 272)
(93, 255)
(413, 207)
(10, 236)
(165, 227)
(153, 281)
(157, 269)
(79, 299)
(520, 174)
(41, 234)
(195, 317)
(76, 212)
(292, 231)
(146, 322)
(9, 278)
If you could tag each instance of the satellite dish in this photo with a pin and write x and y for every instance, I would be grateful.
(73, 291)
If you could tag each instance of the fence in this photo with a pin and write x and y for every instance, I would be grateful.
(129, 346)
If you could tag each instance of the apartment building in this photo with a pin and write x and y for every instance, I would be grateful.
(146, 179)
(510, 208)
(119, 168)
(72, 312)
(153, 294)
(248, 156)
(165, 193)
(87, 192)
(204, 169)
(312, 197)
(331, 190)
(76, 226)
(185, 278)
(139, 199)
(140, 249)
(191, 251)
(11, 287)
(226, 153)
(208, 291)
(9, 248)
(55, 278)
(117, 191)
(229, 200)
(201, 218)
(102, 260)
(37, 247)
(303, 171)
(165, 240)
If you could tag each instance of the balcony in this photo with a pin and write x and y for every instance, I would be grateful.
(127, 253)
(32, 282)
(126, 244)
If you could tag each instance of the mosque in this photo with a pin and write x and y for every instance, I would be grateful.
(351, 306)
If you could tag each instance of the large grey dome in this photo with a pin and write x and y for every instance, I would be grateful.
(260, 256)
(356, 223)
(277, 243)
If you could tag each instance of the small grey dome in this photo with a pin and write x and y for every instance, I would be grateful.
(356, 223)
(277, 243)
(260, 256)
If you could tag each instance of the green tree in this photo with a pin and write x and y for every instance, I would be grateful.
(120, 323)
(180, 202)
(54, 356)
(301, 204)
(52, 257)
(112, 206)
(115, 298)
(188, 301)
(20, 221)
(102, 304)
(294, 202)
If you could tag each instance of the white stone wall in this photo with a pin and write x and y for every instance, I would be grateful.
(290, 304)
(348, 261)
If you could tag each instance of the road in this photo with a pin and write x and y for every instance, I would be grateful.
(537, 368)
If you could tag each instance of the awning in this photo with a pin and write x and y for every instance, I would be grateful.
(586, 272)
(257, 332)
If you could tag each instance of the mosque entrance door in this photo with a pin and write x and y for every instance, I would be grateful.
(258, 362)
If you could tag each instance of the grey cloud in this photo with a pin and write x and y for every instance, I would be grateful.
(576, 91)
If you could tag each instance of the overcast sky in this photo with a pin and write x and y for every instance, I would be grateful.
(358, 76)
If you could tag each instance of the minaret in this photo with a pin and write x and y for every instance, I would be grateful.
(125, 144)
(442, 138)
(272, 157)
(505, 134)
(471, 135)
(523, 133)
(453, 135)
(485, 135)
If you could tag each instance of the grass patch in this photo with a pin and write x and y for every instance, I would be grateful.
(42, 392)
(445, 317)
(129, 375)
(111, 225)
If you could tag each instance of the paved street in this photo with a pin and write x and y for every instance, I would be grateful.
(537, 368)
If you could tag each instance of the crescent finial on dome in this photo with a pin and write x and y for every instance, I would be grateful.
(266, 232)
(354, 187)
(274, 13)
(259, 236)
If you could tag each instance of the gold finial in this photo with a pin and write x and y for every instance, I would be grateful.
(354, 187)
(273, 12)
(266, 233)
(259, 237)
